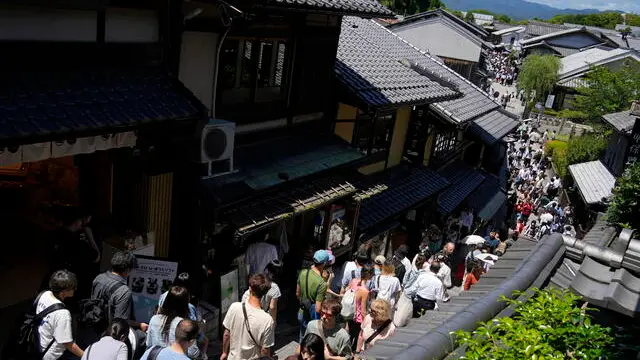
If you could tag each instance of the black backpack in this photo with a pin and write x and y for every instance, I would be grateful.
(96, 313)
(400, 269)
(27, 344)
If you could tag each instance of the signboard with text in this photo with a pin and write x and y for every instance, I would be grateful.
(148, 281)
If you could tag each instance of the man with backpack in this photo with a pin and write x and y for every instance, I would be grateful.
(111, 298)
(311, 289)
(352, 269)
(53, 320)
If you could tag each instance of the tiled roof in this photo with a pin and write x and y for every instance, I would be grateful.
(583, 61)
(535, 28)
(508, 30)
(493, 126)
(471, 28)
(564, 51)
(36, 104)
(279, 160)
(549, 35)
(405, 188)
(474, 103)
(378, 78)
(573, 82)
(622, 121)
(464, 180)
(364, 8)
(629, 43)
(593, 180)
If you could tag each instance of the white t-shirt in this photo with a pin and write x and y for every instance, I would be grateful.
(55, 326)
(273, 293)
(389, 286)
(241, 346)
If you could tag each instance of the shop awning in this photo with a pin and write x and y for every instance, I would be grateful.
(395, 191)
(37, 106)
(464, 180)
(267, 210)
(487, 199)
(280, 160)
(594, 181)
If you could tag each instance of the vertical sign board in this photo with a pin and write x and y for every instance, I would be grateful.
(633, 152)
(148, 281)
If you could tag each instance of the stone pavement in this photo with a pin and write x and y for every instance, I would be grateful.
(514, 106)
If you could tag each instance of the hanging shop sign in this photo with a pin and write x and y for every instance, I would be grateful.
(148, 281)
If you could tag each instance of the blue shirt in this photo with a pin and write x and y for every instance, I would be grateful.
(165, 354)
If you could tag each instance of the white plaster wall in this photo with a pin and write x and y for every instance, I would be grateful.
(47, 25)
(131, 26)
(440, 40)
(197, 62)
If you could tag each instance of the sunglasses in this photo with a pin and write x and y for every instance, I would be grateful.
(325, 313)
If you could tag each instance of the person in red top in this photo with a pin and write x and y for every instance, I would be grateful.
(526, 210)
(518, 209)
(519, 226)
(473, 276)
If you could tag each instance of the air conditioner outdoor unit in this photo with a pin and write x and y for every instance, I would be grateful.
(216, 147)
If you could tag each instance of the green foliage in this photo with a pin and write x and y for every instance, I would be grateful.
(625, 206)
(468, 17)
(607, 20)
(410, 7)
(557, 150)
(554, 147)
(539, 74)
(585, 148)
(608, 91)
(550, 325)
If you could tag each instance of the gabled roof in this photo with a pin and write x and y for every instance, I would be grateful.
(379, 79)
(600, 37)
(583, 61)
(472, 30)
(364, 8)
(622, 121)
(474, 103)
(508, 30)
(493, 126)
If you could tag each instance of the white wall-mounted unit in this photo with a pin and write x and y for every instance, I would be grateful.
(216, 147)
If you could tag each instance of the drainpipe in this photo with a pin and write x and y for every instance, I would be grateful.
(214, 92)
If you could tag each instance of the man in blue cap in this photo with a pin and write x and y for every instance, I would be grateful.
(311, 289)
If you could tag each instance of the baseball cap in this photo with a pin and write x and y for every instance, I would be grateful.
(321, 257)
(379, 260)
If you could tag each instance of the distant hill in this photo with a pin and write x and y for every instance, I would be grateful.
(516, 9)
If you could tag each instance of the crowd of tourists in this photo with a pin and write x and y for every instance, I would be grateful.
(533, 192)
(502, 66)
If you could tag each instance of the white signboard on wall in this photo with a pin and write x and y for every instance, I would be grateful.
(148, 281)
(550, 100)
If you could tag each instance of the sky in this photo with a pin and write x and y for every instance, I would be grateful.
(623, 5)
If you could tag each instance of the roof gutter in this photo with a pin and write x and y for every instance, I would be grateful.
(440, 341)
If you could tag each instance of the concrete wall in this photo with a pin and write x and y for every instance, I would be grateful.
(345, 129)
(197, 63)
(441, 40)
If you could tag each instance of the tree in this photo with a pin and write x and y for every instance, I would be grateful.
(468, 17)
(608, 91)
(550, 325)
(624, 208)
(538, 76)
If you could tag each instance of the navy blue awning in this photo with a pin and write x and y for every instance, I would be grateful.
(403, 188)
(464, 180)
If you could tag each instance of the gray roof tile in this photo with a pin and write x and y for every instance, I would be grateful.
(622, 121)
(464, 180)
(379, 79)
(593, 180)
(493, 126)
(366, 8)
(474, 102)
(534, 28)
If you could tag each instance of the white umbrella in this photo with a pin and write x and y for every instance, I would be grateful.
(488, 261)
(473, 240)
(487, 256)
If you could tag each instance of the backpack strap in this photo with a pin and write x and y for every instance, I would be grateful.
(153, 354)
(246, 323)
(107, 295)
(40, 316)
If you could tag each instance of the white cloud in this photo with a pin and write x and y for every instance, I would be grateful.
(623, 5)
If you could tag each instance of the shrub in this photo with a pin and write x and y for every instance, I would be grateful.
(552, 146)
(584, 148)
(550, 325)
(625, 208)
